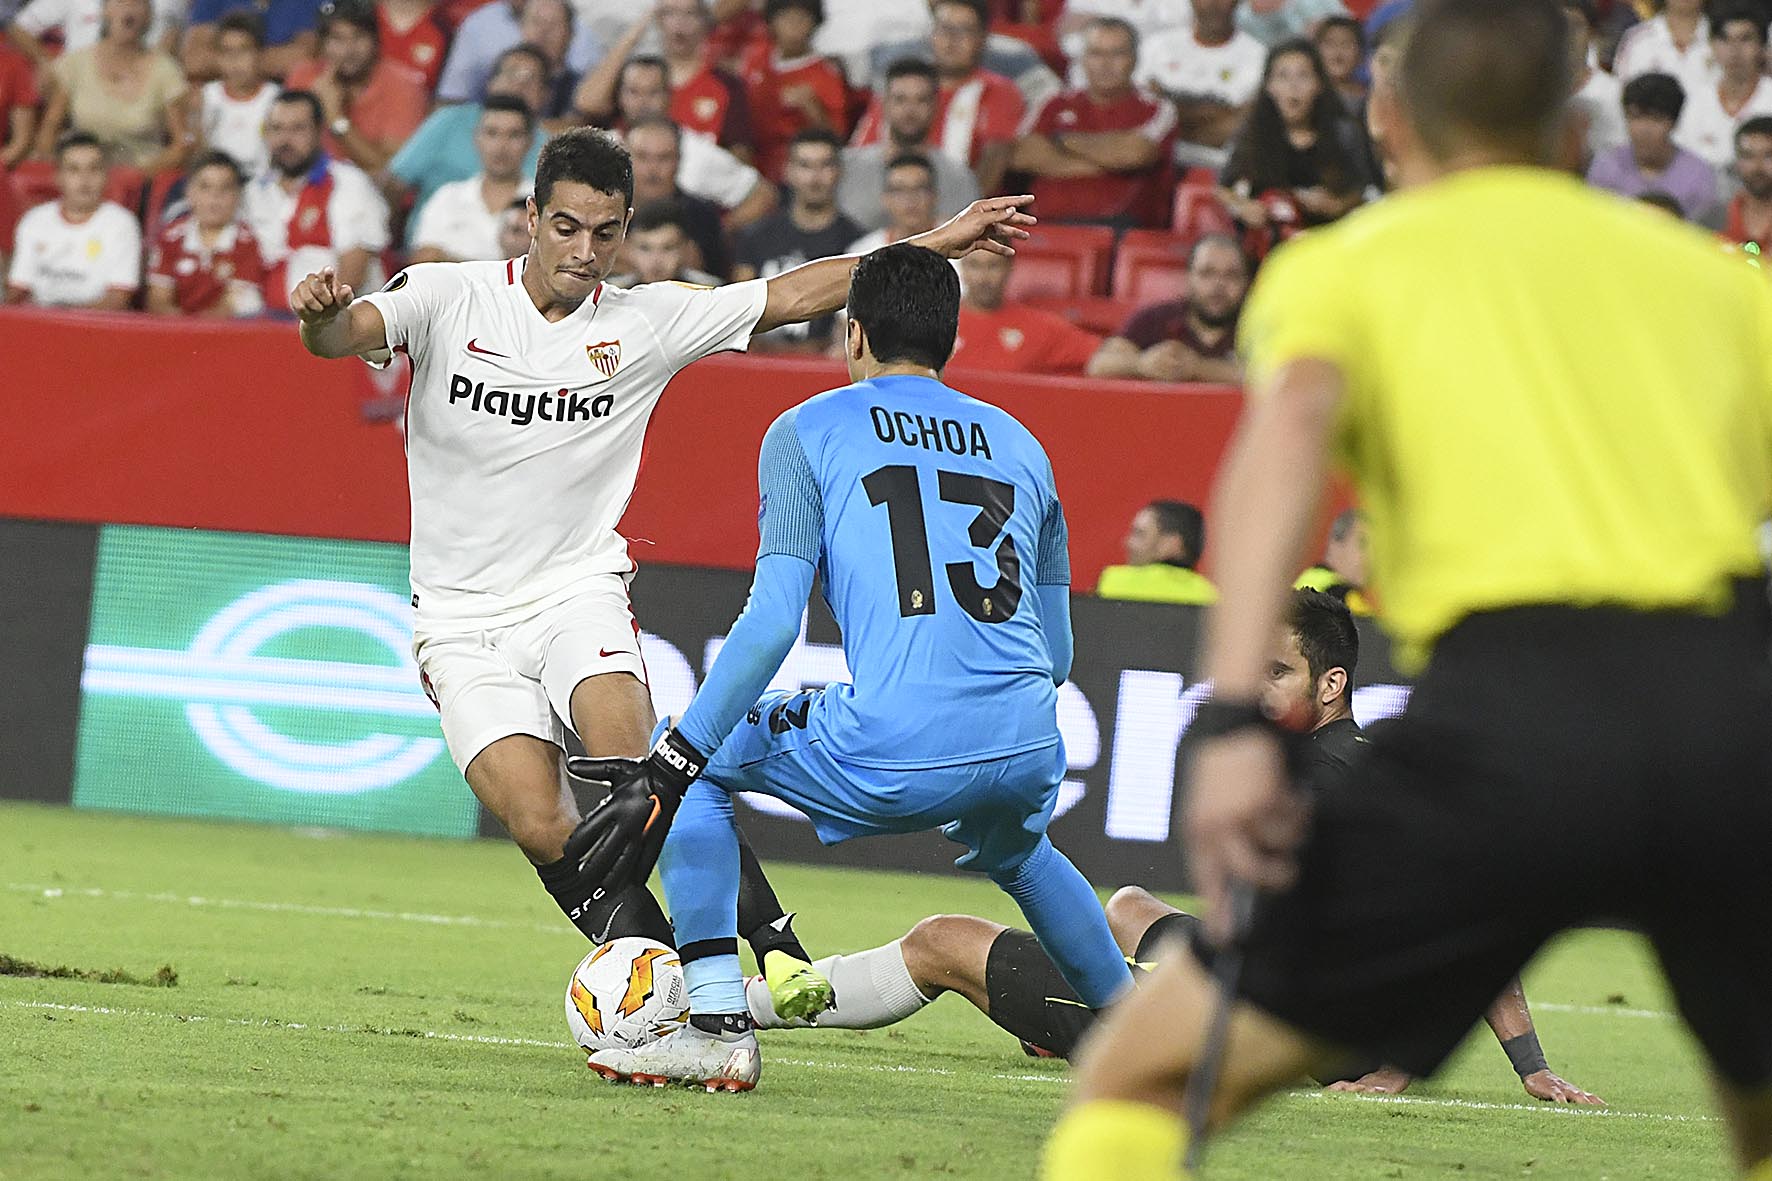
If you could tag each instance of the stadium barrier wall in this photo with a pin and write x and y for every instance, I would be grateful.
(268, 678)
(216, 425)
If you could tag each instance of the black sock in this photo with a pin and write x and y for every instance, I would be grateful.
(633, 911)
(761, 920)
(722, 1023)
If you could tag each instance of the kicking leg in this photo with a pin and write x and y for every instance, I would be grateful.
(884, 985)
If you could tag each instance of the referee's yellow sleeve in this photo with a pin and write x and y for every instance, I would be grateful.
(1302, 305)
(1114, 1140)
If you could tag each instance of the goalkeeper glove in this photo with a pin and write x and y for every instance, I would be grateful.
(618, 843)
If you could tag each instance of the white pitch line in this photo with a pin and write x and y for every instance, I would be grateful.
(340, 912)
(1602, 1011)
(872, 1068)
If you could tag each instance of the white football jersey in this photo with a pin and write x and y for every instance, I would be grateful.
(523, 436)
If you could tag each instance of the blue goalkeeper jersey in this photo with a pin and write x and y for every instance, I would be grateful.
(932, 518)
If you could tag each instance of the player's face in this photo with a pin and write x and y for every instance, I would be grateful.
(513, 233)
(236, 56)
(547, 26)
(1288, 694)
(791, 29)
(682, 25)
(1341, 52)
(909, 201)
(214, 197)
(577, 237)
(126, 20)
(80, 175)
(643, 92)
(654, 152)
(1217, 282)
(1753, 163)
(292, 138)
(1108, 60)
(812, 174)
(984, 276)
(1146, 542)
(1738, 51)
(1347, 557)
(1293, 86)
(957, 40)
(348, 49)
(657, 255)
(520, 76)
(910, 109)
(501, 142)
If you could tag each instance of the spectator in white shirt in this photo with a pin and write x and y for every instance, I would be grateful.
(1599, 96)
(1675, 41)
(79, 22)
(1210, 71)
(460, 222)
(1742, 90)
(234, 106)
(80, 251)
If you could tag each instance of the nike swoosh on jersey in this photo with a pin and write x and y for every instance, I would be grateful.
(613, 652)
(474, 347)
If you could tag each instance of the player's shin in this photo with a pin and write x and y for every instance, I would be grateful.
(1065, 915)
(700, 868)
(607, 916)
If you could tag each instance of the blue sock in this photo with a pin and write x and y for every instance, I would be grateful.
(1064, 914)
(699, 866)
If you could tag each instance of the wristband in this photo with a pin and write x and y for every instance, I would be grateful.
(1526, 1054)
(1218, 718)
(681, 761)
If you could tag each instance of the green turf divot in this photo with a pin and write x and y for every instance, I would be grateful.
(164, 977)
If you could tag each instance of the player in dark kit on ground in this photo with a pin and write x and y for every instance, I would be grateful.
(1559, 423)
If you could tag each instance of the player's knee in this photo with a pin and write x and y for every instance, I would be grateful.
(1130, 912)
(945, 948)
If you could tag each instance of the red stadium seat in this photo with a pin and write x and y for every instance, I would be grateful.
(1062, 262)
(1098, 314)
(158, 192)
(1198, 211)
(1151, 267)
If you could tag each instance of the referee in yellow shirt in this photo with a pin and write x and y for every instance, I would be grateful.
(1557, 408)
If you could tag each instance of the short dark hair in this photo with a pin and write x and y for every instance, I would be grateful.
(1351, 24)
(302, 98)
(242, 20)
(216, 158)
(360, 13)
(1114, 24)
(912, 160)
(508, 104)
(1728, 14)
(656, 215)
(69, 140)
(1659, 95)
(1183, 520)
(1494, 71)
(980, 8)
(912, 67)
(907, 299)
(1758, 125)
(812, 8)
(586, 156)
(816, 135)
(1326, 635)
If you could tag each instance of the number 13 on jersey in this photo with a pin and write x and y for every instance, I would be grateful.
(898, 488)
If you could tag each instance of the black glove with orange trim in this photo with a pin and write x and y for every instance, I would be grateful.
(618, 843)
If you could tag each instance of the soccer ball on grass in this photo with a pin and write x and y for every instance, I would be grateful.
(626, 993)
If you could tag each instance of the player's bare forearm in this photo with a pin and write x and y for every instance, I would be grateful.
(807, 292)
(331, 325)
(1263, 508)
(1509, 1016)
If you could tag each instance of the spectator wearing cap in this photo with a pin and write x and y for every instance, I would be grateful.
(791, 87)
(290, 35)
(1741, 92)
(1162, 548)
(371, 105)
(80, 250)
(704, 99)
(1599, 97)
(908, 103)
(1006, 336)
(126, 94)
(1101, 153)
(442, 149)
(486, 34)
(657, 250)
(206, 262)
(1749, 217)
(1676, 41)
(231, 109)
(1189, 339)
(1651, 161)
(460, 223)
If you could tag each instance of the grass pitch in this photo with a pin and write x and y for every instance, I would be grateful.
(342, 1006)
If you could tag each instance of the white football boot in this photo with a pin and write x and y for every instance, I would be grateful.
(714, 1062)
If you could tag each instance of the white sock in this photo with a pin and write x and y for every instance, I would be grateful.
(873, 989)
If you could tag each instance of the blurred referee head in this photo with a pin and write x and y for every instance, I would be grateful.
(904, 308)
(1487, 77)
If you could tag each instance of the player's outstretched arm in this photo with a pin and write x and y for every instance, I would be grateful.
(1511, 1020)
(820, 288)
(332, 325)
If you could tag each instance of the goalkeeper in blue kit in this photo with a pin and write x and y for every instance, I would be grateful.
(933, 522)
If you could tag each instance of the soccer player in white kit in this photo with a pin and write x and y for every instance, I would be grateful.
(532, 386)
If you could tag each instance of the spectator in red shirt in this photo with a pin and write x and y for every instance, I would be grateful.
(978, 114)
(207, 263)
(1101, 154)
(371, 105)
(18, 106)
(705, 99)
(1750, 213)
(792, 89)
(1009, 337)
(412, 35)
(1192, 339)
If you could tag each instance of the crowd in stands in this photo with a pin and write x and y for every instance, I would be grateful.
(197, 157)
